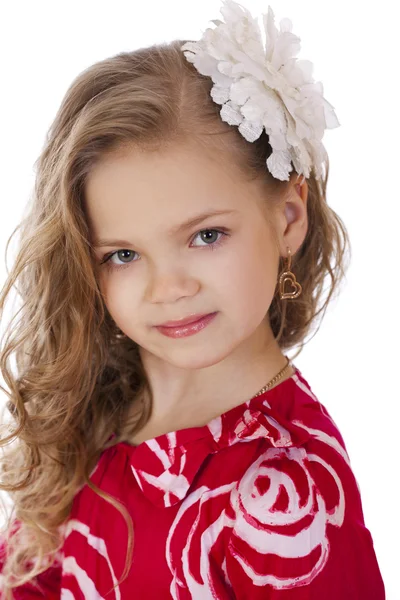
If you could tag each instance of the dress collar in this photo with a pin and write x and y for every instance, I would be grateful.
(165, 466)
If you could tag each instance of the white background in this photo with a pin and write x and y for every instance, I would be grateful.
(352, 362)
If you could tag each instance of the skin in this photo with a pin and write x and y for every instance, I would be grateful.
(138, 197)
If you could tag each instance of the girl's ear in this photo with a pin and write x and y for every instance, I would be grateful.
(293, 218)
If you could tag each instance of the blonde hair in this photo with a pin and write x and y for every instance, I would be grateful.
(75, 376)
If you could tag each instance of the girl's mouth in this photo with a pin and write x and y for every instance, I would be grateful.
(188, 329)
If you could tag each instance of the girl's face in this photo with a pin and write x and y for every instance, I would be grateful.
(160, 269)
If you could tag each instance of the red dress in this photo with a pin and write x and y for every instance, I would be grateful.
(259, 503)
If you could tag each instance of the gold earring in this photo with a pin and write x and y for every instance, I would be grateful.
(288, 276)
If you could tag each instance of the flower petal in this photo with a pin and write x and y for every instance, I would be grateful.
(263, 85)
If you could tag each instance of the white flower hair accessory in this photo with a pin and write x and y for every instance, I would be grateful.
(265, 87)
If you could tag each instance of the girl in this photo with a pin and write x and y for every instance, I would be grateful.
(165, 446)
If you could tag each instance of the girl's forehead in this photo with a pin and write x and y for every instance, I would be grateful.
(175, 184)
(147, 169)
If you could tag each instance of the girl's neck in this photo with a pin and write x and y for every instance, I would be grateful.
(197, 413)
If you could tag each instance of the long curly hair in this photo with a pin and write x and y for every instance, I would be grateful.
(76, 380)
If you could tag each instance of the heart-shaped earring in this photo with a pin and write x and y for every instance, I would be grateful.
(288, 276)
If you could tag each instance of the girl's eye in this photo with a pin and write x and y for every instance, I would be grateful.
(208, 238)
(127, 254)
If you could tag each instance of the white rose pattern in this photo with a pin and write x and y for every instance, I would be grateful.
(254, 519)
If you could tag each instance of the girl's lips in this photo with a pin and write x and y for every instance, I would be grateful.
(188, 329)
(191, 319)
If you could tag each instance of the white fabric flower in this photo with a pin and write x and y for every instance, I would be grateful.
(263, 86)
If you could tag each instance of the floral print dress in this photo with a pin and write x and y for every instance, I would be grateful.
(261, 503)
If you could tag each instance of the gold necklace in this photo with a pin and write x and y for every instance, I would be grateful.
(276, 378)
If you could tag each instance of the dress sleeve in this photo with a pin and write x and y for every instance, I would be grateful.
(48, 583)
(298, 530)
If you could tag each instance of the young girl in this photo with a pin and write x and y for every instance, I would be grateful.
(165, 446)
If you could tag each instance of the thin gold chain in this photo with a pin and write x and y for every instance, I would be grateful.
(276, 378)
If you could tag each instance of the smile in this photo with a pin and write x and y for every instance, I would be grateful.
(188, 329)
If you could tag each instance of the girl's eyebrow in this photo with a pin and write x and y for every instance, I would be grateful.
(98, 243)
